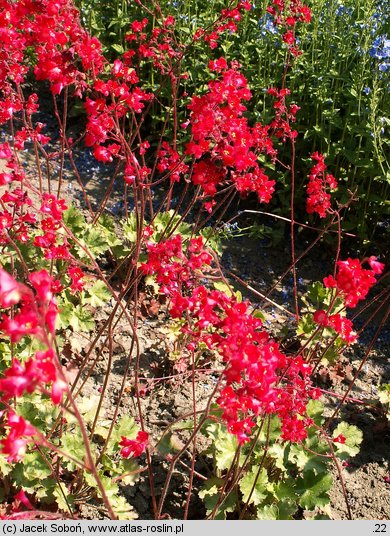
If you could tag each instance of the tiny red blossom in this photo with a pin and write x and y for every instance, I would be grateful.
(134, 447)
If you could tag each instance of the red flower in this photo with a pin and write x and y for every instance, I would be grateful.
(376, 267)
(37, 371)
(53, 206)
(42, 283)
(21, 324)
(11, 292)
(320, 317)
(289, 37)
(76, 275)
(353, 281)
(318, 199)
(15, 443)
(294, 429)
(340, 439)
(134, 447)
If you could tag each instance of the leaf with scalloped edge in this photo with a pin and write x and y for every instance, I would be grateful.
(98, 294)
(280, 453)
(5, 467)
(81, 319)
(35, 467)
(64, 499)
(253, 486)
(122, 509)
(286, 509)
(210, 493)
(313, 489)
(224, 445)
(72, 443)
(126, 427)
(353, 437)
(268, 511)
(74, 220)
(315, 410)
(306, 461)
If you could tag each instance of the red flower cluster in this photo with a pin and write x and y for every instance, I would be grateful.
(20, 221)
(343, 326)
(284, 115)
(172, 267)
(37, 312)
(287, 13)
(353, 284)
(35, 372)
(53, 29)
(134, 447)
(103, 116)
(76, 275)
(258, 378)
(19, 433)
(221, 137)
(170, 161)
(160, 45)
(226, 23)
(35, 315)
(318, 199)
(352, 281)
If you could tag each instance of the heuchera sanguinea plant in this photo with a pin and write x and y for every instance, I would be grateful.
(216, 149)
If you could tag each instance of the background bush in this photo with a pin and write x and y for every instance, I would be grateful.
(341, 83)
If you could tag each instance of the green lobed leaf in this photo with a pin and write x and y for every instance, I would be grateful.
(286, 509)
(81, 319)
(384, 393)
(126, 427)
(306, 461)
(280, 453)
(34, 467)
(315, 410)
(98, 294)
(270, 432)
(267, 512)
(5, 467)
(285, 490)
(210, 493)
(253, 486)
(306, 325)
(127, 468)
(313, 489)
(39, 411)
(72, 443)
(94, 241)
(122, 509)
(130, 228)
(353, 436)
(64, 502)
(225, 445)
(74, 219)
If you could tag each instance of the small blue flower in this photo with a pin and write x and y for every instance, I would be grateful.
(380, 48)
(267, 26)
(367, 90)
(342, 10)
(285, 293)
